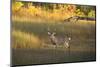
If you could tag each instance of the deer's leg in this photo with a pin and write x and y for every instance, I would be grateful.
(66, 44)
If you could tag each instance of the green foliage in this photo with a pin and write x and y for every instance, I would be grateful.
(79, 12)
(50, 11)
(91, 13)
(16, 6)
(87, 10)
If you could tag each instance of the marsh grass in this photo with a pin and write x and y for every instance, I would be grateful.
(29, 36)
(24, 40)
(32, 34)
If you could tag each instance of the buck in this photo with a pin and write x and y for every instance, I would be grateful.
(56, 41)
(53, 38)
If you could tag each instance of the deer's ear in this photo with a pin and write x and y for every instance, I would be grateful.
(49, 33)
(54, 33)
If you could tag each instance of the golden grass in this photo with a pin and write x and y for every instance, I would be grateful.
(24, 40)
(86, 22)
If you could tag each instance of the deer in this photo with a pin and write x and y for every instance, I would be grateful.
(56, 41)
(53, 38)
(66, 42)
